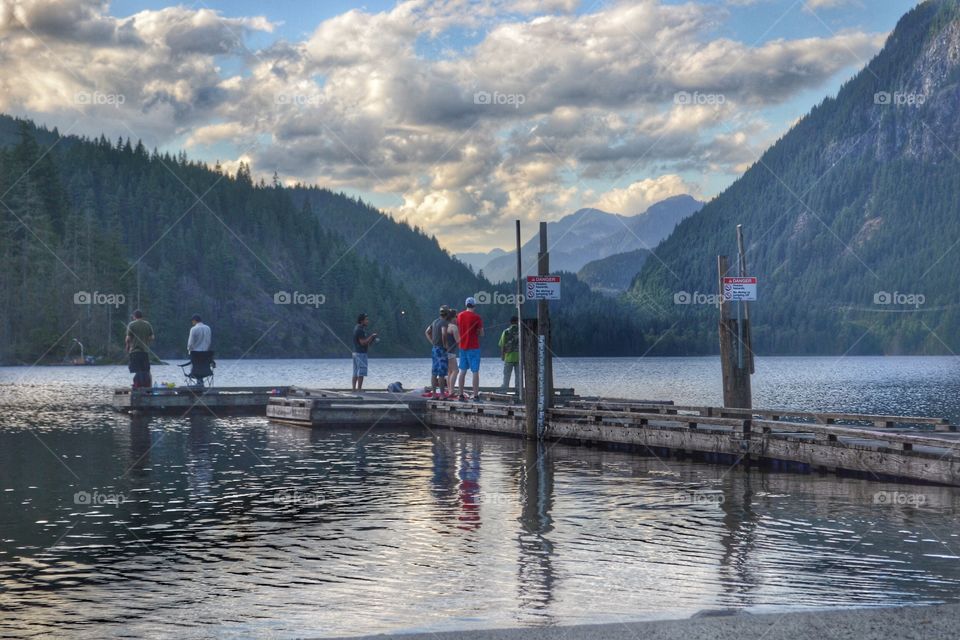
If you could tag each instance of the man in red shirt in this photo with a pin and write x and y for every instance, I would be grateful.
(471, 330)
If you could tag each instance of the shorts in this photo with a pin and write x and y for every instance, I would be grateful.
(439, 357)
(470, 359)
(139, 362)
(359, 365)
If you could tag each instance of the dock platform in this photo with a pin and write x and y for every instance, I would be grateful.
(881, 446)
(218, 400)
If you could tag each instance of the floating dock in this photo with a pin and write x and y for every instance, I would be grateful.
(915, 448)
(877, 446)
(217, 400)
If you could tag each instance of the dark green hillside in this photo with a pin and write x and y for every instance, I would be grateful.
(859, 199)
(174, 237)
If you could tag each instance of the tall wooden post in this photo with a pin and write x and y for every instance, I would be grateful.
(528, 331)
(544, 354)
(736, 356)
(520, 369)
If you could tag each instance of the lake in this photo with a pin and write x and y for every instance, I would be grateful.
(203, 526)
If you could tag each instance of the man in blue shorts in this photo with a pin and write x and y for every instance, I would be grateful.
(435, 333)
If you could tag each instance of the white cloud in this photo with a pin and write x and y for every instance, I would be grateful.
(638, 196)
(571, 96)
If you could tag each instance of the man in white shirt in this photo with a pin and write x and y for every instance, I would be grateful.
(200, 336)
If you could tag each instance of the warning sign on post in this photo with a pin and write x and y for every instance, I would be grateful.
(740, 289)
(543, 287)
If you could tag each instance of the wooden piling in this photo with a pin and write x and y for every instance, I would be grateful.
(544, 352)
(528, 342)
(734, 335)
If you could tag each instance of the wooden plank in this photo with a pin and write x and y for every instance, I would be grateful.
(771, 426)
(817, 452)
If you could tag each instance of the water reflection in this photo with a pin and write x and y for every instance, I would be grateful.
(242, 527)
(535, 573)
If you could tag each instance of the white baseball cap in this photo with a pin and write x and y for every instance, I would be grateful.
(471, 302)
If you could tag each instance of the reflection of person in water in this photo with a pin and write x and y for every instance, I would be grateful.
(469, 492)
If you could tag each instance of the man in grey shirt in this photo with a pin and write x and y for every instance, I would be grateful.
(200, 336)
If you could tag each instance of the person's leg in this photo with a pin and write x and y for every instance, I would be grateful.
(361, 360)
(452, 375)
(516, 376)
(464, 365)
(506, 377)
(475, 367)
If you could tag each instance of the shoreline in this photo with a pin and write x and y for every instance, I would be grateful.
(917, 622)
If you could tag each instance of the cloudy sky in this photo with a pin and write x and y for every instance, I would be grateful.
(459, 116)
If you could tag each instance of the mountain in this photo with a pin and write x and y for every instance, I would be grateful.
(93, 229)
(591, 234)
(850, 219)
(477, 260)
(612, 275)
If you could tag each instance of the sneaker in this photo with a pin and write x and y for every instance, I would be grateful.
(428, 394)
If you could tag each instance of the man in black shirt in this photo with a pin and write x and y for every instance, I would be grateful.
(361, 341)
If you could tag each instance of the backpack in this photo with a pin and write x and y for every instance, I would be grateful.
(511, 339)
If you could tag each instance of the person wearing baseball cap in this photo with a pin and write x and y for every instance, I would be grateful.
(435, 333)
(470, 325)
(361, 341)
(200, 335)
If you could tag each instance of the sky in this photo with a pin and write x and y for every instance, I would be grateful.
(459, 116)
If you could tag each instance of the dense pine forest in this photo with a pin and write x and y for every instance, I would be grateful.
(94, 228)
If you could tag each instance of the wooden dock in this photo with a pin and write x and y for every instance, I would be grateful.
(218, 400)
(923, 449)
(879, 446)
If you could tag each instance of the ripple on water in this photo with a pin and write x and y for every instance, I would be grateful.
(234, 524)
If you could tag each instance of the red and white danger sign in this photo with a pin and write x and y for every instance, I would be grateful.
(543, 287)
(740, 289)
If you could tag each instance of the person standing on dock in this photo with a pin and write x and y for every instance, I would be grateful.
(435, 333)
(470, 325)
(200, 335)
(137, 342)
(451, 342)
(510, 354)
(361, 341)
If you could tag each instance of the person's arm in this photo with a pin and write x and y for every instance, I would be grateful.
(480, 330)
(192, 339)
(127, 341)
(366, 341)
(503, 346)
(429, 333)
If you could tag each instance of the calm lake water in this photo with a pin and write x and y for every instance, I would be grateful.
(202, 526)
